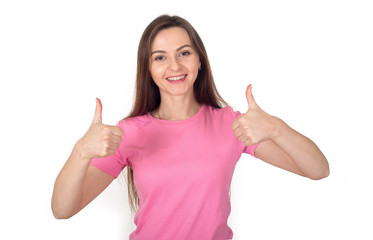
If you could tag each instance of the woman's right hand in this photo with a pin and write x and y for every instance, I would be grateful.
(100, 140)
(78, 183)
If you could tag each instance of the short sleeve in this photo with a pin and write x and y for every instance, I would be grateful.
(112, 165)
(250, 149)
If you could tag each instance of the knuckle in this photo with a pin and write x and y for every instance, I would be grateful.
(106, 138)
(117, 139)
(120, 131)
(241, 120)
(104, 154)
(236, 133)
(106, 129)
(248, 142)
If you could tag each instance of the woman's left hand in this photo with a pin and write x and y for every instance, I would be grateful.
(255, 125)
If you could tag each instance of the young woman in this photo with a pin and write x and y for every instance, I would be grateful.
(180, 144)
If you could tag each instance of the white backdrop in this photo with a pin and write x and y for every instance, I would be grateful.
(310, 63)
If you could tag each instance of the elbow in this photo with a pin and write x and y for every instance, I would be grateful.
(319, 177)
(60, 214)
(61, 209)
(324, 173)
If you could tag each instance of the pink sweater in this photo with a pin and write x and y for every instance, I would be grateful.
(182, 173)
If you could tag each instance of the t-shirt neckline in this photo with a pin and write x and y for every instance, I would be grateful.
(200, 111)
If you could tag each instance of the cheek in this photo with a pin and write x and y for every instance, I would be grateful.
(191, 66)
(156, 72)
(196, 64)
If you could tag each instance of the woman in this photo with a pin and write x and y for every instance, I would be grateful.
(179, 143)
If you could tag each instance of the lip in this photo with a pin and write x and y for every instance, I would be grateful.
(177, 81)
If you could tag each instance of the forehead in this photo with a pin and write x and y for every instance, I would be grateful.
(170, 39)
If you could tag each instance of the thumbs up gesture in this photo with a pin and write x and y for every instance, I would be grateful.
(100, 140)
(255, 125)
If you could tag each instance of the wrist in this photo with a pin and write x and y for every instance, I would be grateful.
(278, 126)
(80, 152)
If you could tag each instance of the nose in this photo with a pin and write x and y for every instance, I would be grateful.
(174, 65)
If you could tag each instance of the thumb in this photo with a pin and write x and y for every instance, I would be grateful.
(249, 97)
(98, 113)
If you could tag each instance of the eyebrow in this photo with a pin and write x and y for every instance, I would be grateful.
(178, 49)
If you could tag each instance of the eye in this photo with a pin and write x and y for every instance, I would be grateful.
(159, 58)
(184, 53)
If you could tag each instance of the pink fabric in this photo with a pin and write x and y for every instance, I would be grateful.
(182, 173)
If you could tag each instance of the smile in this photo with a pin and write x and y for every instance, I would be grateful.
(177, 78)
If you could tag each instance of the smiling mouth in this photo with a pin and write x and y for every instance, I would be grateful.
(177, 78)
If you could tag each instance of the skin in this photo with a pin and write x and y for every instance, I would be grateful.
(78, 183)
(174, 56)
(279, 144)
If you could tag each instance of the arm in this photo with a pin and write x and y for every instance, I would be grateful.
(79, 183)
(293, 152)
(279, 144)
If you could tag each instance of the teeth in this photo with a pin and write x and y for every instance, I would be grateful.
(176, 78)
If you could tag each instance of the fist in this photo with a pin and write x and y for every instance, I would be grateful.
(100, 140)
(255, 125)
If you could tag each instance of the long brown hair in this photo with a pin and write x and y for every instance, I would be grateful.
(147, 96)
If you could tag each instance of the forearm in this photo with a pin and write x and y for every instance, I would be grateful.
(304, 152)
(67, 193)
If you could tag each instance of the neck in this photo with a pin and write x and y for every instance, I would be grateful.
(177, 108)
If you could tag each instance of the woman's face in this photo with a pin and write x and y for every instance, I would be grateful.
(173, 62)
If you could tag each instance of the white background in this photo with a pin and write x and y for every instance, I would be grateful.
(310, 63)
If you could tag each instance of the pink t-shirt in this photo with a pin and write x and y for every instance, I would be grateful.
(182, 173)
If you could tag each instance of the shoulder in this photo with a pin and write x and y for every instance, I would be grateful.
(223, 113)
(134, 129)
(133, 123)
